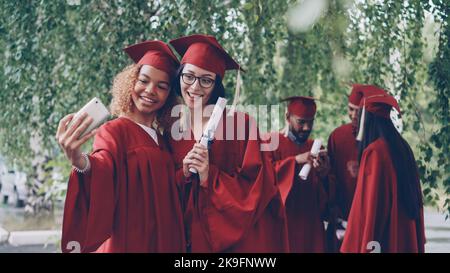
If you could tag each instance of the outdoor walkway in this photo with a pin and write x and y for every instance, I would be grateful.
(22, 234)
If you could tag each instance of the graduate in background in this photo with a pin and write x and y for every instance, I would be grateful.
(123, 196)
(387, 210)
(305, 200)
(343, 152)
(233, 204)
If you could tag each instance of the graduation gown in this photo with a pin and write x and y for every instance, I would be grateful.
(128, 201)
(343, 152)
(239, 209)
(305, 200)
(376, 213)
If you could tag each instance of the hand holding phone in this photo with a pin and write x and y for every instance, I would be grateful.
(75, 129)
(94, 109)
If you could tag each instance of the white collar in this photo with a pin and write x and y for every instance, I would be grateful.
(150, 131)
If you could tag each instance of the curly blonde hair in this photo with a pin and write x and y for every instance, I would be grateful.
(121, 102)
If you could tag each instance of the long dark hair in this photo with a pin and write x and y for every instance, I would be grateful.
(408, 183)
(218, 90)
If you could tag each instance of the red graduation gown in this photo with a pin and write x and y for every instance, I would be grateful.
(128, 201)
(343, 153)
(376, 213)
(240, 209)
(305, 200)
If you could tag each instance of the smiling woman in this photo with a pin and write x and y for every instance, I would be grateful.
(150, 91)
(123, 197)
(198, 83)
(232, 205)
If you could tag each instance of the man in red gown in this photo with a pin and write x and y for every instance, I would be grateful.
(387, 210)
(305, 200)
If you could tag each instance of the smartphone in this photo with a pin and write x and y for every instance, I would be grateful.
(96, 110)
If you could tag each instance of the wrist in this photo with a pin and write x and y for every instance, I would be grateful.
(300, 160)
(203, 177)
(203, 181)
(186, 172)
(82, 164)
(79, 161)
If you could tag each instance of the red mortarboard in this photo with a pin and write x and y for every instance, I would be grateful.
(155, 53)
(304, 107)
(379, 105)
(205, 52)
(362, 90)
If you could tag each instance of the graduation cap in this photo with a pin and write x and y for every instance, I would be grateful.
(363, 90)
(302, 106)
(155, 53)
(380, 105)
(205, 52)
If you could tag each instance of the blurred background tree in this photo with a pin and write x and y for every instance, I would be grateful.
(56, 55)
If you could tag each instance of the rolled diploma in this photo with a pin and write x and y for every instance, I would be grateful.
(213, 122)
(304, 172)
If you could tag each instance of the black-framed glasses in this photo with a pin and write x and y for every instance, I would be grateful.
(190, 79)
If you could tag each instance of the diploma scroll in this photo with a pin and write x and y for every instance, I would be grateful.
(210, 130)
(304, 172)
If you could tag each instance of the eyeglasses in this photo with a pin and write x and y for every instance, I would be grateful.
(190, 79)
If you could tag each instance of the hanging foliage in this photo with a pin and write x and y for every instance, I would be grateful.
(56, 55)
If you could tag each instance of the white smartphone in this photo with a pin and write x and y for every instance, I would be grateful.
(96, 110)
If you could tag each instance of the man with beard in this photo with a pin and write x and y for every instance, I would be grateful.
(304, 200)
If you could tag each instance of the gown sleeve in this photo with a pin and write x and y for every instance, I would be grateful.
(91, 197)
(285, 171)
(335, 187)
